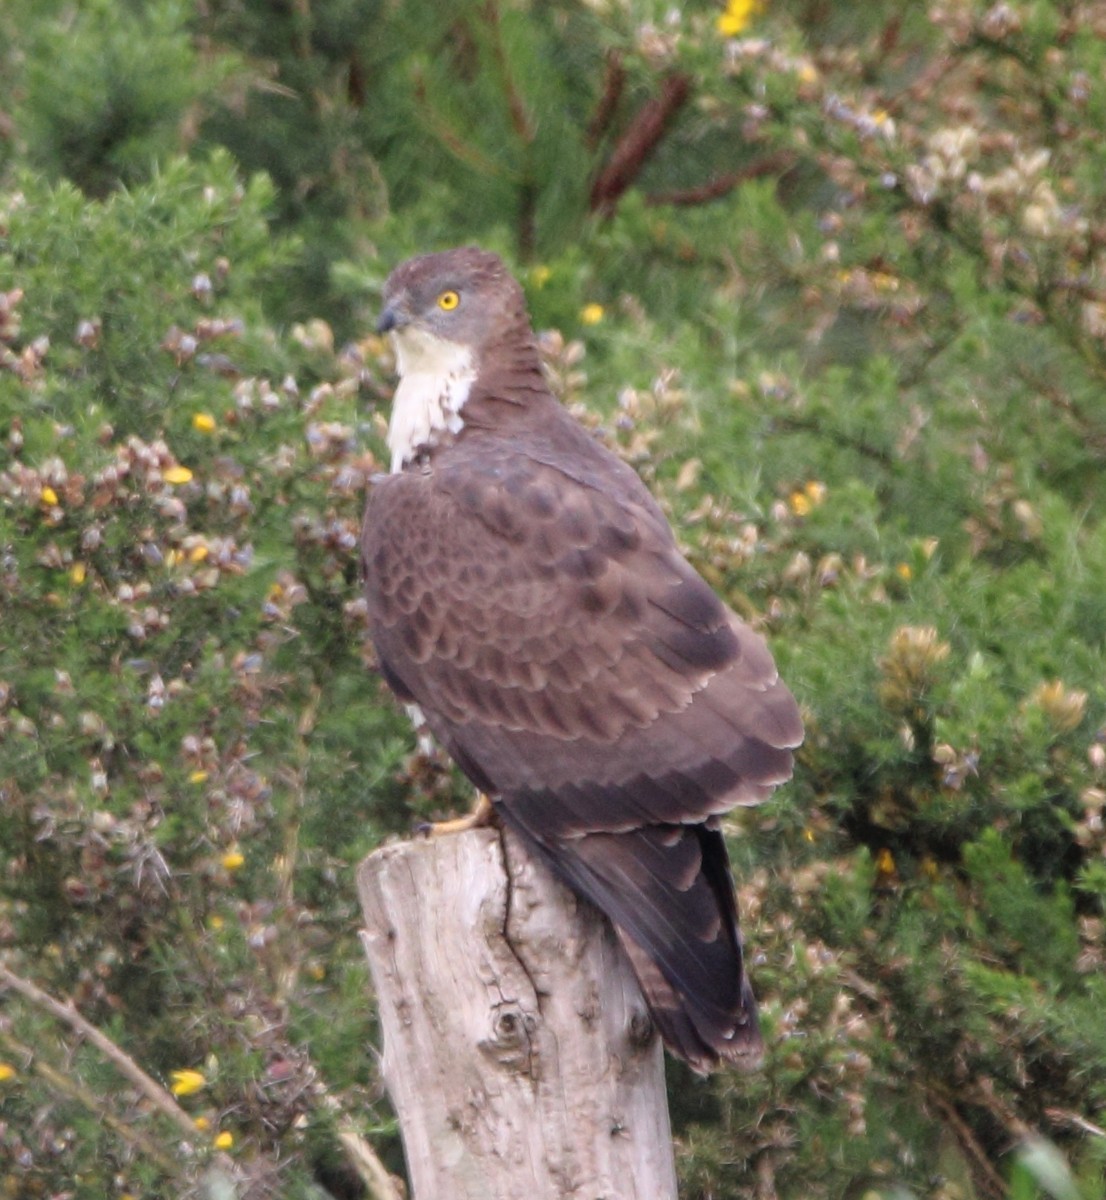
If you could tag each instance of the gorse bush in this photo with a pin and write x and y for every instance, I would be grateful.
(830, 277)
(177, 629)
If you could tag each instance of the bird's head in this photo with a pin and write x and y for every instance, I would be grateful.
(464, 298)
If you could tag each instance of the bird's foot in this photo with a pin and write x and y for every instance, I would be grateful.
(482, 814)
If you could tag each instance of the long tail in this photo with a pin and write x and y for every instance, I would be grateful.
(668, 891)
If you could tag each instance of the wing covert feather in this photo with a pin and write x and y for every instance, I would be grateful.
(568, 615)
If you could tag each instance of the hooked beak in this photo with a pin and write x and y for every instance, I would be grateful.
(393, 317)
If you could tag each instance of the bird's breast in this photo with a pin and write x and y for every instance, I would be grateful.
(435, 379)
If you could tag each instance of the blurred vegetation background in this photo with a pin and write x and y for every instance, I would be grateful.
(832, 276)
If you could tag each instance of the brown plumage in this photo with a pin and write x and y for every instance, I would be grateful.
(527, 593)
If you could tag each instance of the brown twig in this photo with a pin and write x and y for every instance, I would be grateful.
(889, 37)
(68, 1014)
(925, 84)
(68, 1086)
(370, 1170)
(451, 139)
(524, 128)
(991, 1182)
(614, 80)
(638, 143)
(356, 86)
(1073, 1120)
(770, 164)
(520, 118)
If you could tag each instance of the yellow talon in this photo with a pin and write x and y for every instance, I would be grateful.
(483, 813)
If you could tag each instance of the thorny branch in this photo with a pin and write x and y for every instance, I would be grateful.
(68, 1086)
(371, 1171)
(68, 1015)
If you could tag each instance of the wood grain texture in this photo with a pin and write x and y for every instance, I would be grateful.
(518, 1051)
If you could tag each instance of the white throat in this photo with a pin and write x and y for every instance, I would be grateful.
(434, 380)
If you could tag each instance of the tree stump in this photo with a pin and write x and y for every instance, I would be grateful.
(518, 1052)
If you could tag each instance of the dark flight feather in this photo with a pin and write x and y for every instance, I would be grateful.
(527, 593)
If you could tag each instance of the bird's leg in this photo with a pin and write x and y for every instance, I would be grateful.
(483, 813)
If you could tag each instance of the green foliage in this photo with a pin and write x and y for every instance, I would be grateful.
(105, 88)
(181, 672)
(845, 315)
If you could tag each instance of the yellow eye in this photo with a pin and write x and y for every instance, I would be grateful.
(448, 301)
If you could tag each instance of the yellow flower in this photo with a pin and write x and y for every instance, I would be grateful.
(48, 496)
(198, 553)
(800, 503)
(738, 14)
(203, 422)
(885, 862)
(7, 1071)
(592, 314)
(223, 1141)
(808, 73)
(215, 922)
(233, 859)
(198, 777)
(187, 1082)
(815, 491)
(539, 275)
(905, 571)
(77, 573)
(202, 1124)
(177, 474)
(1064, 707)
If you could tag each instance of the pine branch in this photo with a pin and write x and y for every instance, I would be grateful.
(637, 144)
(524, 128)
(614, 81)
(520, 118)
(770, 164)
(451, 139)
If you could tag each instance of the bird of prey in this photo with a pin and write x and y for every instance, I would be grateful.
(528, 600)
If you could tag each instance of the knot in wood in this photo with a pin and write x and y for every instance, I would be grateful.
(641, 1030)
(511, 1042)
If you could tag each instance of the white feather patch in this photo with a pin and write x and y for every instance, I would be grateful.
(426, 741)
(435, 376)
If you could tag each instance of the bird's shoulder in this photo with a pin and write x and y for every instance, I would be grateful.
(530, 482)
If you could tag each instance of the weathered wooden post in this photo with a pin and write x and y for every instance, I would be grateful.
(517, 1049)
